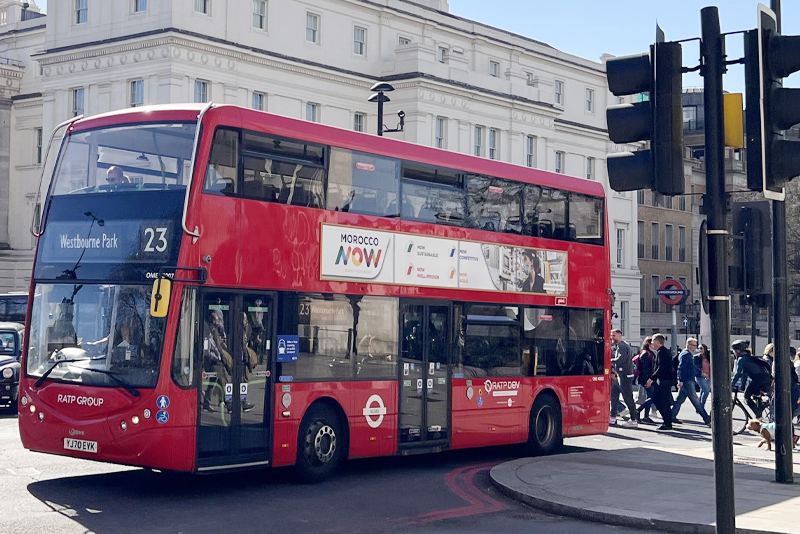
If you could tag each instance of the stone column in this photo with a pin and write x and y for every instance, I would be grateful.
(5, 168)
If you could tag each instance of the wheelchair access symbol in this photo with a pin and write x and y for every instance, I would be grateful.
(162, 416)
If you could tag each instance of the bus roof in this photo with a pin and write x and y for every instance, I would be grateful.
(340, 137)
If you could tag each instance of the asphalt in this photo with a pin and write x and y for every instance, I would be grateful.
(665, 488)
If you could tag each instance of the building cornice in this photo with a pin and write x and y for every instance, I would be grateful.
(229, 52)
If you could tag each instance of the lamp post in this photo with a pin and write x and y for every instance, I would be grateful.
(378, 96)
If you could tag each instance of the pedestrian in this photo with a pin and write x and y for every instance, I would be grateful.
(645, 367)
(686, 383)
(769, 355)
(704, 380)
(797, 362)
(622, 381)
(661, 379)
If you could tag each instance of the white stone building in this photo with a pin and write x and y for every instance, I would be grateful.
(464, 86)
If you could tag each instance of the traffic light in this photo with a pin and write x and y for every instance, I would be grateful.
(751, 268)
(658, 120)
(771, 108)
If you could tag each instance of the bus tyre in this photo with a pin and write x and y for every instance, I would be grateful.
(320, 445)
(544, 434)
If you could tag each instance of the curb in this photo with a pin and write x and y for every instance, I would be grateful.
(557, 508)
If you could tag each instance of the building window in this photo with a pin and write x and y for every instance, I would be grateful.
(137, 93)
(81, 11)
(438, 137)
(37, 134)
(494, 69)
(530, 151)
(359, 120)
(359, 41)
(478, 141)
(139, 6)
(640, 197)
(667, 201)
(3, 16)
(640, 240)
(624, 306)
(590, 100)
(201, 6)
(559, 161)
(681, 243)
(621, 248)
(312, 112)
(443, 55)
(590, 168)
(642, 293)
(200, 91)
(668, 242)
(258, 101)
(403, 41)
(682, 203)
(655, 199)
(682, 307)
(312, 28)
(559, 92)
(492, 143)
(654, 239)
(260, 14)
(654, 300)
(529, 79)
(77, 102)
(690, 118)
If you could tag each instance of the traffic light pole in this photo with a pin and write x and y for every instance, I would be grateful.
(719, 300)
(783, 366)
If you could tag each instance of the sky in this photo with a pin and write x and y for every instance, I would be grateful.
(589, 28)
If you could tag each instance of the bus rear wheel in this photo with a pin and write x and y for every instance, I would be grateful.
(320, 445)
(544, 434)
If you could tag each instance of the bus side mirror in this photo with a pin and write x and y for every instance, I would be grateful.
(159, 301)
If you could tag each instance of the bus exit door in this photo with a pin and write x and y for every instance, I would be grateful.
(424, 374)
(234, 348)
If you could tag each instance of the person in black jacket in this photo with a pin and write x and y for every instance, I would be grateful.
(661, 379)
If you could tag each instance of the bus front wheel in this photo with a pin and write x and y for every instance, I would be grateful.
(544, 434)
(320, 445)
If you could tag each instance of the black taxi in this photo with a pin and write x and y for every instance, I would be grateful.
(10, 352)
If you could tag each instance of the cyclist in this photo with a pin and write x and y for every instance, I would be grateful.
(752, 372)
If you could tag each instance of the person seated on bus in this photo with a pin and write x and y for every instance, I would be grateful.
(213, 362)
(114, 176)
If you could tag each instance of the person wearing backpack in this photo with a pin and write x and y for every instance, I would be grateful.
(643, 369)
(622, 382)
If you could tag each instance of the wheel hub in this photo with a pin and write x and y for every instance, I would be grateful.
(324, 443)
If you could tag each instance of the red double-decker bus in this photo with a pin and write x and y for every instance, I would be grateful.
(219, 288)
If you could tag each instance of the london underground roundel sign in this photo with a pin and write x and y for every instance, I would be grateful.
(672, 292)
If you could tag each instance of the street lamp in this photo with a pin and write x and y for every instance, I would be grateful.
(380, 98)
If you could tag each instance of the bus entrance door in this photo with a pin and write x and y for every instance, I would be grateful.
(424, 375)
(234, 398)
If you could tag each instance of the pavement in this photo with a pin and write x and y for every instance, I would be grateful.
(667, 487)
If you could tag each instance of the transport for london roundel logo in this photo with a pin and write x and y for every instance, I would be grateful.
(371, 411)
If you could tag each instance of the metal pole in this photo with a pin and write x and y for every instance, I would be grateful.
(719, 300)
(675, 345)
(380, 113)
(753, 310)
(783, 365)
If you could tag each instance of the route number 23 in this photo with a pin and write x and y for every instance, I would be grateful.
(156, 239)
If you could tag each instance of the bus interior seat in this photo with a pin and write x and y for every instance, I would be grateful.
(543, 228)
(253, 188)
(560, 231)
(408, 209)
(573, 233)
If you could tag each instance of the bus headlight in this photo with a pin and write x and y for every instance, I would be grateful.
(8, 372)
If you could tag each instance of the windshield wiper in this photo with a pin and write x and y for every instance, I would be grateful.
(117, 380)
(53, 367)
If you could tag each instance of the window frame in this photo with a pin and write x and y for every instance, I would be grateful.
(558, 92)
(493, 144)
(81, 12)
(440, 128)
(590, 168)
(262, 97)
(315, 30)
(560, 164)
(362, 118)
(360, 47)
(589, 100)
(136, 87)
(314, 108)
(494, 68)
(204, 7)
(38, 139)
(620, 247)
(139, 6)
(530, 151)
(260, 16)
(203, 85)
(443, 55)
(78, 110)
(477, 145)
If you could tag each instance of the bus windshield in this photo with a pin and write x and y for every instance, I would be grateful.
(95, 330)
(126, 158)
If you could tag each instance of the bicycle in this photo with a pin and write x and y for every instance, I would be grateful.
(741, 414)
